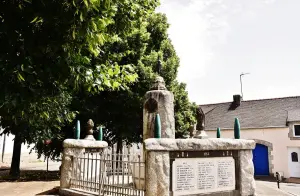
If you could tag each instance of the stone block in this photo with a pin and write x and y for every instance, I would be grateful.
(165, 144)
(74, 152)
(158, 174)
(74, 143)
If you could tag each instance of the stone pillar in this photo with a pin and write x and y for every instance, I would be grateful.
(74, 149)
(247, 182)
(159, 100)
(158, 173)
(68, 160)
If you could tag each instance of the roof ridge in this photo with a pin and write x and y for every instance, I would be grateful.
(250, 100)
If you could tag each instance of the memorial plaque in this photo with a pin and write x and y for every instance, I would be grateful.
(203, 175)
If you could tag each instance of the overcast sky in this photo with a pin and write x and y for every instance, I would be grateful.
(217, 40)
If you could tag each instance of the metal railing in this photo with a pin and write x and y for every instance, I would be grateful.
(110, 172)
(87, 171)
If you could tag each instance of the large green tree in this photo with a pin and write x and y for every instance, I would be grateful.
(121, 112)
(53, 50)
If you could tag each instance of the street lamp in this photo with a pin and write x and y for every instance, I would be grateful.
(242, 74)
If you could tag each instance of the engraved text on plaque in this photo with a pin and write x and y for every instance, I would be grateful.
(203, 175)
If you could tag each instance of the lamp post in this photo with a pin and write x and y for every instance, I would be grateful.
(242, 74)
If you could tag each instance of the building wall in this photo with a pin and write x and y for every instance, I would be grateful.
(279, 137)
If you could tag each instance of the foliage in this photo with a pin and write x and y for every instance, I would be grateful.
(52, 50)
(63, 59)
(185, 112)
(121, 112)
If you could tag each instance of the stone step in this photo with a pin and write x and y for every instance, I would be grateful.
(76, 192)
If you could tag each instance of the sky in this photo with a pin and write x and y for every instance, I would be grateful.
(217, 40)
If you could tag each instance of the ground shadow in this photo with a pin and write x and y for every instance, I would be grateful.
(54, 191)
(265, 178)
(30, 175)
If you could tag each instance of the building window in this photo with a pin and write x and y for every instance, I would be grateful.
(297, 130)
(294, 157)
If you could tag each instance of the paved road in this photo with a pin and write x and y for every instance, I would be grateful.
(264, 188)
(270, 188)
(33, 188)
(26, 188)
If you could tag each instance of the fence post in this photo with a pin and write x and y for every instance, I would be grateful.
(237, 129)
(157, 128)
(100, 134)
(77, 130)
(218, 132)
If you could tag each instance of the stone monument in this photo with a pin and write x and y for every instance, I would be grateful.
(206, 167)
(159, 100)
(193, 166)
(201, 134)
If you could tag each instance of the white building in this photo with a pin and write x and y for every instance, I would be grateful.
(273, 123)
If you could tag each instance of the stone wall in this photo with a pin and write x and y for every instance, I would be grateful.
(74, 149)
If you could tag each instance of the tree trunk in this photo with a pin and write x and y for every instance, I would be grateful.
(15, 162)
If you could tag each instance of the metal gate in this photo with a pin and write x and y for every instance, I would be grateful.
(109, 172)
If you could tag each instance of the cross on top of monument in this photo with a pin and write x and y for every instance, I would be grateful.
(158, 66)
(159, 83)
